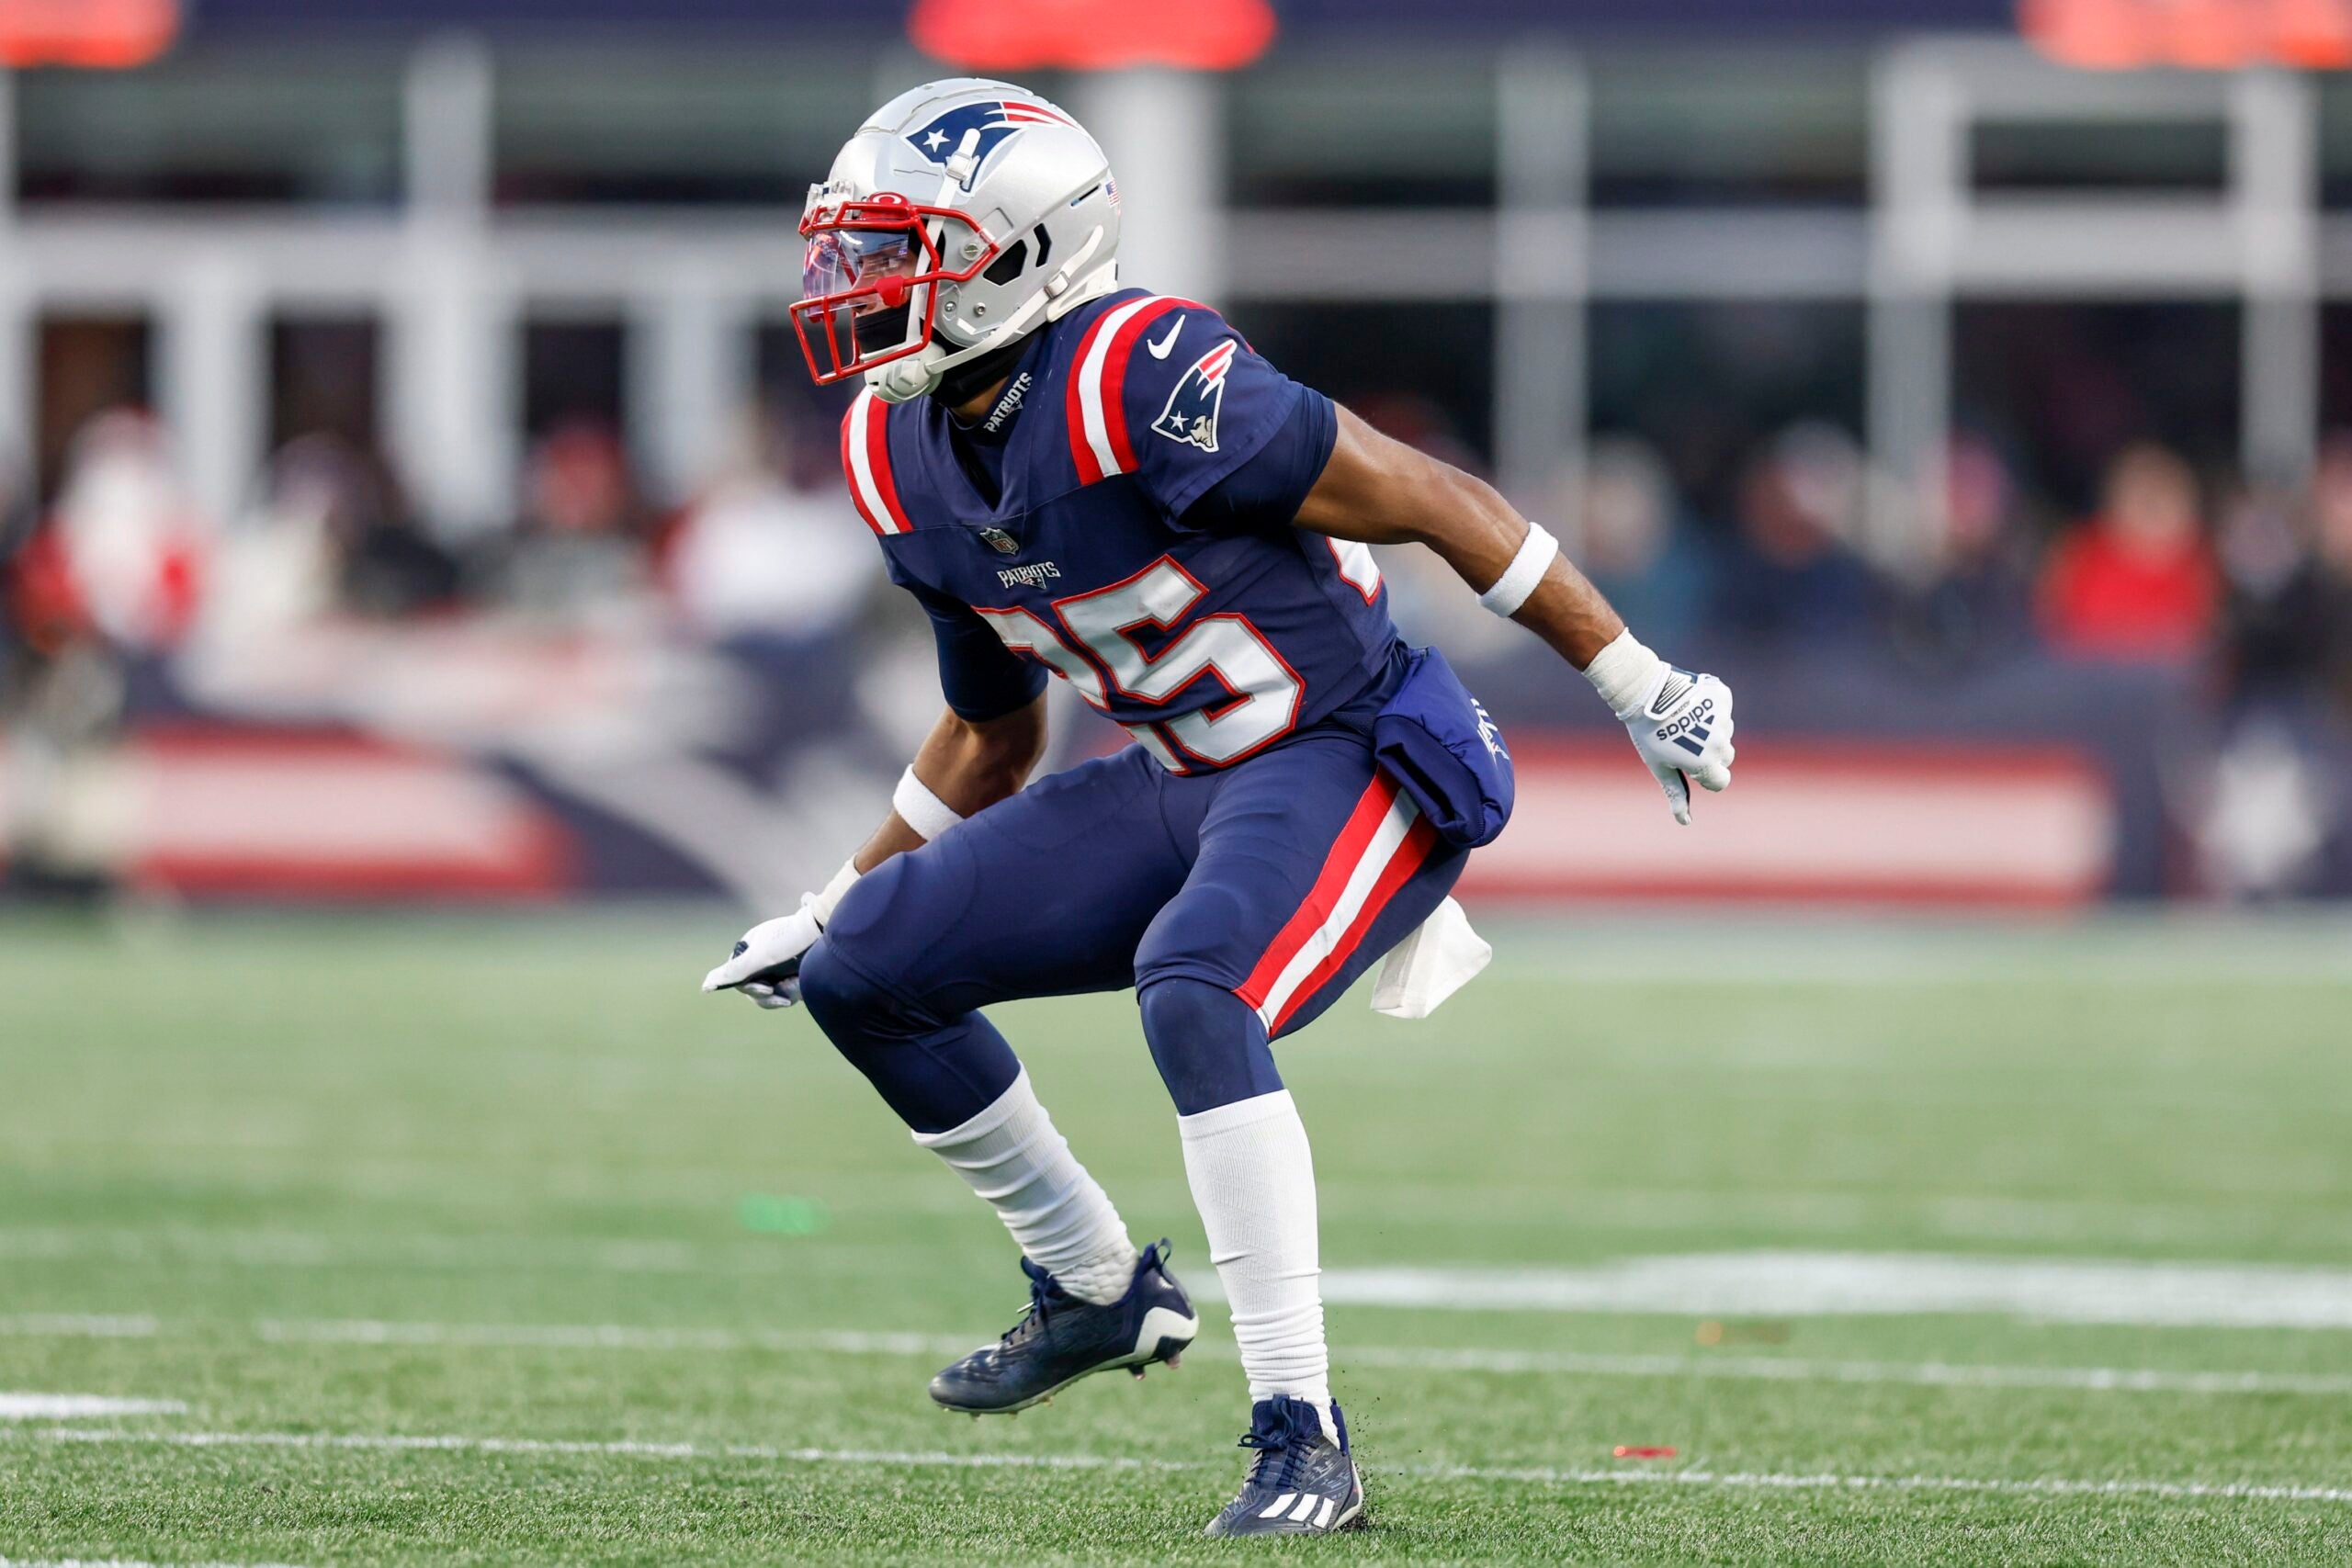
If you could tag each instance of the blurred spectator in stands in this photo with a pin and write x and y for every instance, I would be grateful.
(1634, 547)
(2331, 570)
(582, 546)
(2276, 633)
(329, 535)
(109, 580)
(2135, 582)
(24, 598)
(386, 563)
(772, 550)
(1792, 575)
(275, 567)
(127, 538)
(2261, 796)
(1973, 600)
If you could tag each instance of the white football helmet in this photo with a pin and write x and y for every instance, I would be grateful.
(962, 215)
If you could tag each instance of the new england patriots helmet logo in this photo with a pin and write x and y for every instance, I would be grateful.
(1191, 414)
(938, 140)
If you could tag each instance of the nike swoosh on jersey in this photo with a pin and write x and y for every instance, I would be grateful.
(1161, 349)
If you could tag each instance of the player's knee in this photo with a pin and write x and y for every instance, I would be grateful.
(849, 1006)
(1192, 938)
(1209, 1045)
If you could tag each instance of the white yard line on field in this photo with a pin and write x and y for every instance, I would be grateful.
(854, 1342)
(1782, 1283)
(77, 1325)
(2001, 1220)
(1927, 1374)
(1812, 1284)
(860, 1342)
(934, 1460)
(606, 1337)
(622, 1449)
(75, 1406)
(1795, 1215)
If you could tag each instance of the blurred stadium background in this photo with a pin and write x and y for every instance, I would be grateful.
(412, 489)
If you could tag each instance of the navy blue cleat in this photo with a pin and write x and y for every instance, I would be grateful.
(1061, 1339)
(1300, 1481)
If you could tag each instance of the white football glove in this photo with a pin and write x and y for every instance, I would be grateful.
(1680, 722)
(1683, 732)
(766, 965)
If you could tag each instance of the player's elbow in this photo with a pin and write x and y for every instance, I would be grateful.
(1435, 504)
(1465, 506)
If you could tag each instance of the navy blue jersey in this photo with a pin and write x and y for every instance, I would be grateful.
(1123, 518)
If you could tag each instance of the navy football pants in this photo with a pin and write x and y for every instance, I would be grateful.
(1239, 903)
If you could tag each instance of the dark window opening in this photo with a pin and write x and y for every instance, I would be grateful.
(88, 365)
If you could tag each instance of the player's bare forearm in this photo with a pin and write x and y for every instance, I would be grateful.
(1381, 492)
(970, 765)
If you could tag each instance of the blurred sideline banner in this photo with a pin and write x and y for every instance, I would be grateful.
(208, 811)
(219, 811)
(1913, 823)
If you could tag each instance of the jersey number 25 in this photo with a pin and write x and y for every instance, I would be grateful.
(1264, 691)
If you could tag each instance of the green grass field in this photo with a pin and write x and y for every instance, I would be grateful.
(490, 1240)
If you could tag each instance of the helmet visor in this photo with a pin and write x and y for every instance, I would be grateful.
(866, 273)
(868, 280)
(839, 260)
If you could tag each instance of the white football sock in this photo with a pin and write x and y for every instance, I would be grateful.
(1253, 1180)
(1012, 1156)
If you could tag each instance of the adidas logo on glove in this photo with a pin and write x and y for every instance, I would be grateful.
(1691, 730)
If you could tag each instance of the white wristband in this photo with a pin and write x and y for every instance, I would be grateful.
(921, 809)
(1625, 673)
(821, 904)
(1525, 571)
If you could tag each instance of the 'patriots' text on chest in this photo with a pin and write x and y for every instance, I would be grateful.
(1027, 576)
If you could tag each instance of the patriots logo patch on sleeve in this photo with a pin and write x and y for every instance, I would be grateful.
(1191, 414)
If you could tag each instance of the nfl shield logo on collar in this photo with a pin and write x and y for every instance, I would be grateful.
(1003, 543)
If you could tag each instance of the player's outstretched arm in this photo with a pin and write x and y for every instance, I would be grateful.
(964, 765)
(1381, 492)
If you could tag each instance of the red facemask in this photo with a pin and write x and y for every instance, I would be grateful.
(870, 281)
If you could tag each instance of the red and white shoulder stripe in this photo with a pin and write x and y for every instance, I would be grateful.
(865, 463)
(1096, 400)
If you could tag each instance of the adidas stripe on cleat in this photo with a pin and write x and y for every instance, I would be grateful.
(1302, 1480)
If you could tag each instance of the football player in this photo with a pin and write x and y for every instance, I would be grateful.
(1108, 485)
